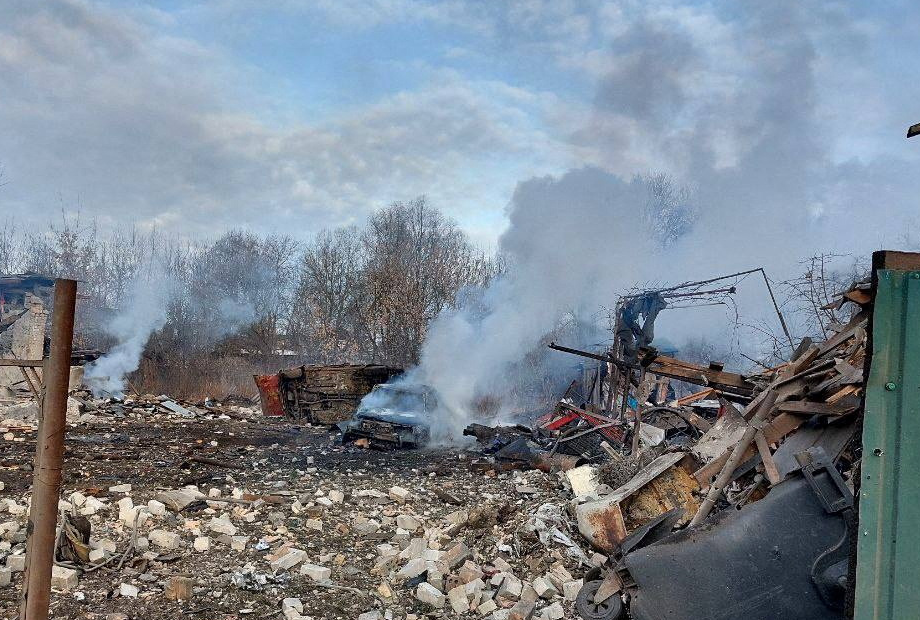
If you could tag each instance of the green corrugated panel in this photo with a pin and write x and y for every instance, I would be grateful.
(888, 555)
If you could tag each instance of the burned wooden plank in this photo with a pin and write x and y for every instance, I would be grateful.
(700, 375)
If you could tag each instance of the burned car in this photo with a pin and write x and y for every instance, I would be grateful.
(393, 414)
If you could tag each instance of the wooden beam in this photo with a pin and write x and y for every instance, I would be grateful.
(700, 375)
(769, 467)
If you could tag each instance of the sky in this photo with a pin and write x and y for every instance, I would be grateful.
(292, 116)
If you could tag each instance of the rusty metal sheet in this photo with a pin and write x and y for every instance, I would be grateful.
(270, 394)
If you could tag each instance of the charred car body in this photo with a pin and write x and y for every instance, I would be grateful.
(393, 414)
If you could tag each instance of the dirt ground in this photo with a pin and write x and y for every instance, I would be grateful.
(295, 470)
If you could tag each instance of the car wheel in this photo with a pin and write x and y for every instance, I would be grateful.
(611, 609)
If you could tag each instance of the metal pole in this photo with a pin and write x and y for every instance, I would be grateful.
(49, 456)
(782, 321)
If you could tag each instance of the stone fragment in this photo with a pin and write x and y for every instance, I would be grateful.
(510, 589)
(164, 539)
(458, 601)
(289, 560)
(95, 555)
(455, 556)
(120, 488)
(570, 589)
(408, 522)
(63, 578)
(522, 610)
(292, 608)
(6, 575)
(554, 611)
(222, 525)
(486, 607)
(316, 572)
(336, 496)
(202, 543)
(399, 494)
(544, 588)
(16, 563)
(413, 568)
(427, 593)
(129, 591)
(469, 572)
(157, 509)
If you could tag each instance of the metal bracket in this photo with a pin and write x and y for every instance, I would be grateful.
(831, 489)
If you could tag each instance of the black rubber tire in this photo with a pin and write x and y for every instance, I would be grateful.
(611, 609)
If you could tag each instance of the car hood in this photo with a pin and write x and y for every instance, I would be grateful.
(382, 414)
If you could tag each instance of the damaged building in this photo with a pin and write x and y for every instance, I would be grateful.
(23, 316)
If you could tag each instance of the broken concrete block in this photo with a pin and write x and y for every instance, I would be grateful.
(222, 525)
(510, 589)
(458, 601)
(554, 611)
(399, 494)
(316, 572)
(413, 568)
(544, 588)
(95, 555)
(455, 556)
(522, 610)
(179, 588)
(16, 563)
(64, 579)
(486, 607)
(164, 539)
(570, 589)
(291, 607)
(408, 522)
(289, 560)
(427, 593)
(156, 508)
(128, 591)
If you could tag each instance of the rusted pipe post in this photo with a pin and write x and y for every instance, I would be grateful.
(49, 456)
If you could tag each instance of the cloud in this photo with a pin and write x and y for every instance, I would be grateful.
(105, 109)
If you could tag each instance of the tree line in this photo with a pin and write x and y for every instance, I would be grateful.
(245, 302)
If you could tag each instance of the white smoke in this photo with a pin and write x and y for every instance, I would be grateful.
(741, 122)
(144, 313)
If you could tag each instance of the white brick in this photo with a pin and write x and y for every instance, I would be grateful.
(162, 538)
(427, 593)
(316, 572)
(63, 578)
(289, 560)
(16, 563)
(129, 591)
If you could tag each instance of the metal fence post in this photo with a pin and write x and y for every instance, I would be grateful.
(49, 457)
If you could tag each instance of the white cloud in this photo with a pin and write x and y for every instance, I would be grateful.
(143, 128)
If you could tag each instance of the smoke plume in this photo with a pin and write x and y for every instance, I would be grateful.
(726, 103)
(132, 325)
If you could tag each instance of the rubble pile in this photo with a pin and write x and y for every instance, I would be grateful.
(206, 509)
(213, 510)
